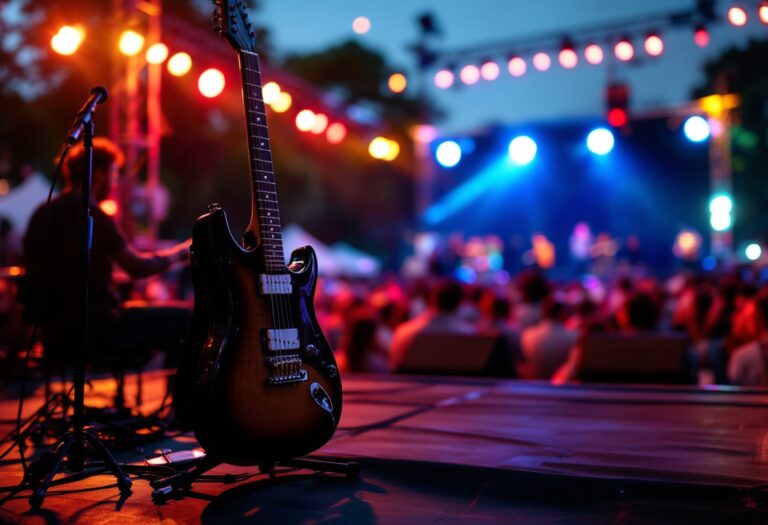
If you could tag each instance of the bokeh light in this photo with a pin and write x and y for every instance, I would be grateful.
(653, 45)
(737, 16)
(321, 122)
(336, 133)
(522, 150)
(444, 79)
(179, 64)
(109, 207)
(211, 83)
(753, 251)
(383, 149)
(600, 141)
(131, 43)
(283, 102)
(696, 129)
(397, 82)
(490, 70)
(701, 37)
(593, 54)
(156, 53)
(762, 12)
(448, 153)
(305, 119)
(624, 50)
(361, 25)
(270, 92)
(541, 61)
(517, 66)
(568, 58)
(67, 40)
(470, 74)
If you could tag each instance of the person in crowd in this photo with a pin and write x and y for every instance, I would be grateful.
(52, 284)
(362, 345)
(547, 344)
(749, 363)
(440, 318)
(533, 288)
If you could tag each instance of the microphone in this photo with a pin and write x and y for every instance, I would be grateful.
(99, 95)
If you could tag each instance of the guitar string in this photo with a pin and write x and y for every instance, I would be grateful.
(285, 314)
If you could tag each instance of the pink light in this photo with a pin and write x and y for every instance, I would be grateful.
(490, 71)
(568, 58)
(470, 74)
(336, 133)
(444, 79)
(517, 66)
(624, 50)
(654, 45)
(321, 122)
(701, 37)
(593, 54)
(541, 61)
(737, 16)
(762, 12)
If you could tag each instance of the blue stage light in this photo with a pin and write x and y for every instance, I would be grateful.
(448, 154)
(696, 129)
(522, 150)
(600, 141)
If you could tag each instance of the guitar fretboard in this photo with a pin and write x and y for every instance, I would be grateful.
(265, 210)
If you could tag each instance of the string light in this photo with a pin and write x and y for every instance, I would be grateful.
(397, 82)
(156, 53)
(211, 83)
(444, 79)
(361, 25)
(490, 70)
(305, 120)
(336, 133)
(737, 16)
(131, 43)
(321, 122)
(470, 74)
(517, 66)
(593, 54)
(624, 50)
(701, 36)
(762, 12)
(541, 61)
(653, 45)
(568, 58)
(179, 64)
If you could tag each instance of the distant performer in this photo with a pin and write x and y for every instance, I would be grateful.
(52, 284)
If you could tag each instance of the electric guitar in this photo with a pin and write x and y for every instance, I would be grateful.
(258, 382)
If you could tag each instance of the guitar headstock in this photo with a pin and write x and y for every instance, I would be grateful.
(230, 20)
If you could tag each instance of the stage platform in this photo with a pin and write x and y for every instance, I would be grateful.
(446, 450)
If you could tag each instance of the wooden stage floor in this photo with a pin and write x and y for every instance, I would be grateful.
(438, 450)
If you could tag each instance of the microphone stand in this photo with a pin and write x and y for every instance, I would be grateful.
(74, 444)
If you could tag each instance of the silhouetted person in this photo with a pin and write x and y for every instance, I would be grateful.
(749, 362)
(547, 344)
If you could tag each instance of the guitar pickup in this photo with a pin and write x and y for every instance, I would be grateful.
(275, 284)
(283, 339)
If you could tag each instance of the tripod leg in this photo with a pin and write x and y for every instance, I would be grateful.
(39, 489)
(165, 486)
(123, 481)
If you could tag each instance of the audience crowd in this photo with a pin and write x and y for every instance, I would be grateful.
(544, 324)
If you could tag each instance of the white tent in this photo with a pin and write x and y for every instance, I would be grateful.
(21, 202)
(339, 259)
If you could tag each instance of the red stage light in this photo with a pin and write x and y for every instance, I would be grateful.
(701, 37)
(470, 74)
(541, 61)
(444, 79)
(593, 54)
(654, 45)
(617, 117)
(490, 70)
(568, 58)
(762, 12)
(517, 66)
(624, 50)
(737, 16)
(336, 133)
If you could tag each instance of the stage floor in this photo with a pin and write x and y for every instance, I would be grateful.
(438, 450)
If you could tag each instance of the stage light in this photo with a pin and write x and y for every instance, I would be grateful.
(522, 150)
(397, 82)
(211, 83)
(624, 50)
(593, 54)
(490, 70)
(131, 43)
(720, 210)
(737, 16)
(617, 117)
(696, 129)
(568, 58)
(283, 102)
(179, 64)
(156, 53)
(448, 154)
(270, 92)
(67, 40)
(762, 12)
(653, 45)
(305, 120)
(701, 36)
(753, 251)
(470, 74)
(600, 141)
(109, 207)
(361, 25)
(444, 79)
(517, 66)
(541, 61)
(321, 122)
(336, 133)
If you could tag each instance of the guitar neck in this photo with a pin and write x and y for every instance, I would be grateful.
(265, 211)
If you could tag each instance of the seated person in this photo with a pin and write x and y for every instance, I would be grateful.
(52, 286)
(749, 363)
(546, 344)
(440, 318)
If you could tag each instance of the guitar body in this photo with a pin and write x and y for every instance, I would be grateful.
(238, 416)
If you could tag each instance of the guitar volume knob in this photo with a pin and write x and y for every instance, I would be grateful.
(311, 351)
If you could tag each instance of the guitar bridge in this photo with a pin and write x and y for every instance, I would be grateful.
(285, 369)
